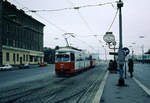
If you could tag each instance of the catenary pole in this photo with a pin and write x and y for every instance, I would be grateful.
(1, 57)
(121, 57)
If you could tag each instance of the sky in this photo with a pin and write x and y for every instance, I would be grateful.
(86, 22)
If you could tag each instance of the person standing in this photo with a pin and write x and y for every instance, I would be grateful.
(130, 67)
(110, 68)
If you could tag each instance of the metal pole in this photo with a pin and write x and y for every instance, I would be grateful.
(121, 79)
(125, 70)
(1, 57)
(143, 53)
(120, 27)
(114, 52)
(67, 41)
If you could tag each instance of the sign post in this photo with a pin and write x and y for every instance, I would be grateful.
(126, 52)
(120, 65)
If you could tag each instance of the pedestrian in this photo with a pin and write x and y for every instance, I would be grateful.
(130, 67)
(110, 68)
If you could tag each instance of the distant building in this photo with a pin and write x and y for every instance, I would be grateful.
(49, 55)
(21, 36)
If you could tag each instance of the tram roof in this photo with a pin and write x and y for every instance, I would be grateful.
(68, 48)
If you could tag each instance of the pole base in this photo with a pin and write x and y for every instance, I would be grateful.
(121, 82)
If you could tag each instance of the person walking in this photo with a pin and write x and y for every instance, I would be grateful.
(130, 67)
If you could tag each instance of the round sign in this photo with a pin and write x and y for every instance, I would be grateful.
(126, 51)
(109, 37)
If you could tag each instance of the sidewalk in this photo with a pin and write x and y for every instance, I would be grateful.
(131, 93)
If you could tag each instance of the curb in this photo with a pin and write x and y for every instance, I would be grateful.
(99, 93)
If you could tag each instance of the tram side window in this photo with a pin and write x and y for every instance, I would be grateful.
(72, 57)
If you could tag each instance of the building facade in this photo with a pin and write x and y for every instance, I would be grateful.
(21, 36)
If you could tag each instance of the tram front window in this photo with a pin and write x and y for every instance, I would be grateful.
(62, 58)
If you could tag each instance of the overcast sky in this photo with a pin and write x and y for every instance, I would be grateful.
(91, 21)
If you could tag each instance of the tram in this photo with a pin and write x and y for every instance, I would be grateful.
(69, 60)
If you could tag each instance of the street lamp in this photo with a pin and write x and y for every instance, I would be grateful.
(109, 38)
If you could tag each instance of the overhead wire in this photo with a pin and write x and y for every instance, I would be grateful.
(76, 8)
(83, 19)
(51, 23)
(113, 21)
(85, 23)
(60, 29)
(71, 8)
(48, 21)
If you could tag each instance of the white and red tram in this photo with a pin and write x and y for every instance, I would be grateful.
(70, 60)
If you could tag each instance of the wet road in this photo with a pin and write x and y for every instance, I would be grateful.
(41, 85)
(9, 78)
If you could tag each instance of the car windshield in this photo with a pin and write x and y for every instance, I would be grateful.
(62, 58)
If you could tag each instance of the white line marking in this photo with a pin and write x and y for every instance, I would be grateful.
(142, 86)
(99, 93)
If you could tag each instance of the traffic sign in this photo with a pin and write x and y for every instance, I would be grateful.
(113, 53)
(126, 51)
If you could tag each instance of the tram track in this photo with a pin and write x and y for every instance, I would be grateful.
(15, 94)
(76, 89)
(83, 95)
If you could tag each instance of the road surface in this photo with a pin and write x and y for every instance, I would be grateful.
(41, 85)
(142, 73)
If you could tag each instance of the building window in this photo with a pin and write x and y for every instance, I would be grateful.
(14, 57)
(26, 57)
(36, 58)
(31, 58)
(17, 57)
(7, 56)
(23, 57)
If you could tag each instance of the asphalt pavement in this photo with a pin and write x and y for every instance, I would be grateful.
(41, 85)
(142, 73)
(18, 76)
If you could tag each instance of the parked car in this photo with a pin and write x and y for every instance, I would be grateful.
(24, 66)
(43, 64)
(6, 67)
